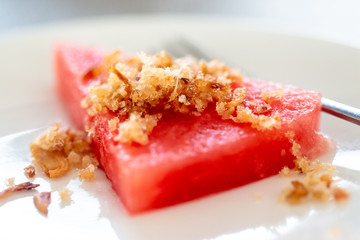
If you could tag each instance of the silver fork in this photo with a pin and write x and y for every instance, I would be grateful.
(183, 46)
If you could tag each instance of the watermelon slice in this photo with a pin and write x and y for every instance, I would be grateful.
(188, 156)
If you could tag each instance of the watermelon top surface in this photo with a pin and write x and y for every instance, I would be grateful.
(190, 156)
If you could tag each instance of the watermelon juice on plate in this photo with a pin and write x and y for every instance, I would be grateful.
(170, 130)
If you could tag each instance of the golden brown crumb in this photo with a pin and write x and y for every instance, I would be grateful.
(341, 195)
(18, 187)
(30, 171)
(65, 195)
(10, 181)
(143, 87)
(295, 147)
(284, 171)
(42, 201)
(87, 173)
(318, 182)
(303, 165)
(262, 108)
(57, 151)
(271, 96)
(287, 172)
(226, 109)
(88, 160)
(260, 122)
(137, 128)
(113, 123)
(298, 192)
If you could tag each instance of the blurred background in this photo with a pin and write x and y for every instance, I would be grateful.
(337, 20)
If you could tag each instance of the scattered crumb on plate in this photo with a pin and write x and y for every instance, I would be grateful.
(317, 185)
(29, 171)
(10, 181)
(65, 195)
(57, 151)
(340, 194)
(87, 173)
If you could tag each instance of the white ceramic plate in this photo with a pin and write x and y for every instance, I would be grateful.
(28, 104)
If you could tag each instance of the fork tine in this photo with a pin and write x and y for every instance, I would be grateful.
(174, 49)
(193, 49)
(183, 46)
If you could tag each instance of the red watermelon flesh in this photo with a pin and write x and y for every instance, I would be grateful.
(187, 156)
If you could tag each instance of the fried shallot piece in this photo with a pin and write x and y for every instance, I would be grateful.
(42, 201)
(18, 187)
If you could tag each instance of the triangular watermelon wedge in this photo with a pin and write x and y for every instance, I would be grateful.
(189, 157)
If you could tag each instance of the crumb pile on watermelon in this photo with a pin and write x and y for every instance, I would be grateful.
(169, 130)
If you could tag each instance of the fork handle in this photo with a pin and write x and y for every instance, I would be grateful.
(340, 110)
